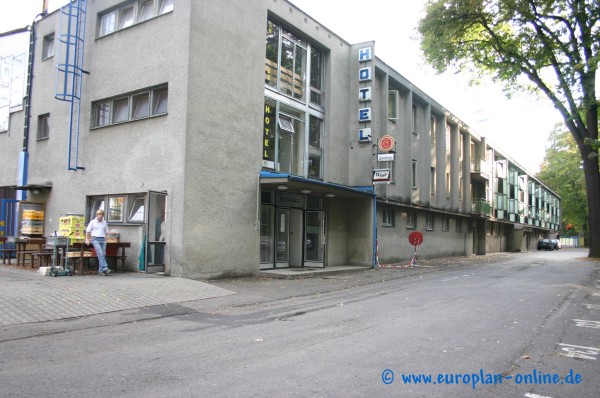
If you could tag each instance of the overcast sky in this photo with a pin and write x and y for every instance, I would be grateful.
(520, 126)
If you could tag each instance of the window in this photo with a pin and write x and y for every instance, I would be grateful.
(432, 129)
(283, 141)
(119, 209)
(43, 130)
(411, 220)
(315, 151)
(165, 6)
(126, 17)
(432, 181)
(429, 224)
(140, 106)
(131, 107)
(388, 217)
(286, 64)
(445, 223)
(415, 120)
(135, 209)
(393, 103)
(131, 13)
(121, 110)
(114, 213)
(108, 23)
(145, 10)
(414, 174)
(459, 223)
(48, 47)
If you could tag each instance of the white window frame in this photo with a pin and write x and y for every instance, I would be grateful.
(132, 13)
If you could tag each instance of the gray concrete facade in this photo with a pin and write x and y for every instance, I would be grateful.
(204, 153)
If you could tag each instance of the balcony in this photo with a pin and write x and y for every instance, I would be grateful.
(481, 170)
(480, 207)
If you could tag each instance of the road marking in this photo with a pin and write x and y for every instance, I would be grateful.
(592, 306)
(532, 395)
(582, 323)
(583, 352)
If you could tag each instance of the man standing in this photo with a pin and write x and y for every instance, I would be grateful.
(96, 232)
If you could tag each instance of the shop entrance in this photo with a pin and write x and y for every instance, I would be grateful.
(291, 237)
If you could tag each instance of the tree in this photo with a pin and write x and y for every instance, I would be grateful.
(549, 47)
(561, 171)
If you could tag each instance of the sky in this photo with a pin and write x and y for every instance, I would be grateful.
(520, 127)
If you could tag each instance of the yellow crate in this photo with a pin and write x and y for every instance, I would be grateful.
(33, 215)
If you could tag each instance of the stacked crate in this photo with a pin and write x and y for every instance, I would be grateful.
(32, 223)
(72, 225)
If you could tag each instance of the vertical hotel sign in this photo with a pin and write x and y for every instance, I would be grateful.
(365, 93)
(269, 134)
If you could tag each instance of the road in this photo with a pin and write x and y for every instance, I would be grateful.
(527, 325)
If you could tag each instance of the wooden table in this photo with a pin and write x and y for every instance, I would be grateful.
(113, 250)
(22, 249)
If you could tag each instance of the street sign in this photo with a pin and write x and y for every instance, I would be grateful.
(415, 238)
(381, 176)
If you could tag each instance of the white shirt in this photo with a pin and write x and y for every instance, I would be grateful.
(97, 229)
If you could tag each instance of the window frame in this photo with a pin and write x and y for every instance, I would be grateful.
(413, 174)
(393, 105)
(43, 127)
(429, 222)
(104, 111)
(129, 200)
(411, 220)
(388, 218)
(130, 14)
(415, 119)
(48, 46)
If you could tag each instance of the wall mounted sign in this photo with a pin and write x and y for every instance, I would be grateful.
(365, 75)
(385, 157)
(386, 143)
(381, 176)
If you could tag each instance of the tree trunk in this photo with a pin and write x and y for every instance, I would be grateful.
(592, 182)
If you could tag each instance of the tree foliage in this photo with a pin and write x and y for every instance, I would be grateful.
(546, 47)
(561, 171)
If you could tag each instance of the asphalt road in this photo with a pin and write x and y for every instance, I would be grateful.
(527, 325)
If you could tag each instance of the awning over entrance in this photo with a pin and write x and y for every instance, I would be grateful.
(293, 183)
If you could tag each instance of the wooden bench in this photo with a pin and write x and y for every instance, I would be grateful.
(80, 254)
(8, 254)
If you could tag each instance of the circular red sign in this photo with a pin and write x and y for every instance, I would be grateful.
(415, 238)
(386, 143)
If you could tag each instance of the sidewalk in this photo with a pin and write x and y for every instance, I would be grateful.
(27, 297)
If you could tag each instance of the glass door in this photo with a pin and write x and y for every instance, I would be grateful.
(267, 236)
(314, 250)
(155, 234)
(282, 235)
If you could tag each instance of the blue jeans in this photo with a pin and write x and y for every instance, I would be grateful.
(100, 247)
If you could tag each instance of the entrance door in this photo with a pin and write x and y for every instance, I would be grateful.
(314, 250)
(282, 238)
(155, 241)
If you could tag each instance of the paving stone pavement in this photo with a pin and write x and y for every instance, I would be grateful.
(26, 296)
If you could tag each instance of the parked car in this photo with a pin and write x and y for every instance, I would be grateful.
(545, 244)
(556, 243)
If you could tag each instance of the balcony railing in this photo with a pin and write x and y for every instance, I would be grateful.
(481, 207)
